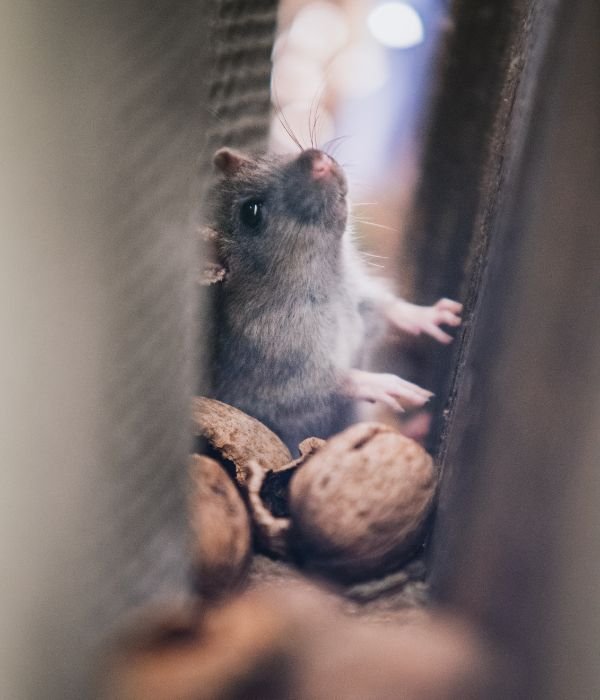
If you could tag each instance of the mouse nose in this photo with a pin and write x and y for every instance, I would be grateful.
(320, 164)
(315, 188)
(322, 169)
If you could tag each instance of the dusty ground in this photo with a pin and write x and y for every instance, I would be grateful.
(398, 597)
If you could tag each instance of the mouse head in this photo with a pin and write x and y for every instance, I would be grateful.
(269, 206)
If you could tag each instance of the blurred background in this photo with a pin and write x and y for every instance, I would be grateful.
(355, 78)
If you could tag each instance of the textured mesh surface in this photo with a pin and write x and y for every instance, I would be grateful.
(153, 128)
(159, 84)
(240, 78)
(238, 108)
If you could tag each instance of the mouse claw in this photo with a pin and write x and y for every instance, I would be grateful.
(415, 319)
(212, 273)
(394, 392)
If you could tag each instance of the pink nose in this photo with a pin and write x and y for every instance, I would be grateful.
(321, 165)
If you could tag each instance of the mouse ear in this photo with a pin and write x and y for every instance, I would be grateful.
(229, 161)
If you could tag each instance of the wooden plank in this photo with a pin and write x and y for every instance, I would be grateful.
(518, 511)
(480, 116)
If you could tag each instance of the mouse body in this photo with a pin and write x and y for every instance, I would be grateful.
(296, 305)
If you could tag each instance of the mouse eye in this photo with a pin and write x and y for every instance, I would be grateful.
(251, 213)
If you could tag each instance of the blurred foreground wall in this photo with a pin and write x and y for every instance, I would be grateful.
(102, 121)
(516, 536)
(110, 114)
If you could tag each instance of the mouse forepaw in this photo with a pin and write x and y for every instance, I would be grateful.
(389, 389)
(416, 319)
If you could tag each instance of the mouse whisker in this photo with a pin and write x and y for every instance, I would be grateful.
(337, 141)
(283, 119)
(288, 130)
(374, 255)
(314, 127)
(372, 223)
(313, 120)
(311, 123)
(214, 112)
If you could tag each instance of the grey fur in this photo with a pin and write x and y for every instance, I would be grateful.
(290, 323)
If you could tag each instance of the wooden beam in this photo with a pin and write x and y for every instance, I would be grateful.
(518, 521)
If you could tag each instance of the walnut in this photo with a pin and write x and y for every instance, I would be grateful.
(358, 506)
(237, 437)
(353, 507)
(220, 528)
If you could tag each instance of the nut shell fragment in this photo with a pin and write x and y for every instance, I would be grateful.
(237, 436)
(271, 532)
(220, 528)
(275, 487)
(268, 498)
(358, 506)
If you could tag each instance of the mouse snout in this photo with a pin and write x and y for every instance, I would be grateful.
(315, 189)
(322, 167)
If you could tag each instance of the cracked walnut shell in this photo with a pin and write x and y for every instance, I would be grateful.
(237, 437)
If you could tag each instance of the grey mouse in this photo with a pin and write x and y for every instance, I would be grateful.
(297, 308)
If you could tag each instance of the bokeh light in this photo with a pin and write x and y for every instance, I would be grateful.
(397, 25)
(296, 77)
(315, 21)
(359, 70)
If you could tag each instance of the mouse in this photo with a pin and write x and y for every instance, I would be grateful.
(297, 309)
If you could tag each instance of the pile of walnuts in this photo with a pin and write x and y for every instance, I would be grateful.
(350, 508)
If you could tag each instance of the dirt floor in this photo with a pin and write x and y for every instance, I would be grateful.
(398, 597)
